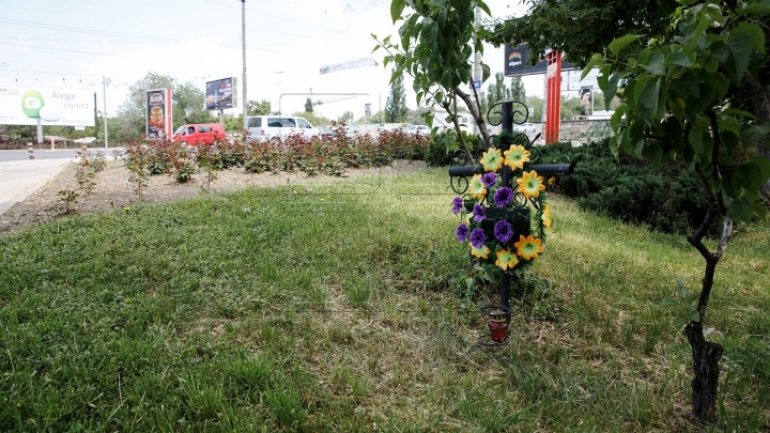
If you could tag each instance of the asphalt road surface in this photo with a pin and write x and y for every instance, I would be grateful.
(19, 155)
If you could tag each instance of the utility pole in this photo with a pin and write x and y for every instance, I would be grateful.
(476, 67)
(105, 82)
(243, 31)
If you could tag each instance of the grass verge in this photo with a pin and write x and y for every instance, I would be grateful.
(328, 308)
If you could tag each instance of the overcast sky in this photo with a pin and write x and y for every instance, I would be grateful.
(74, 43)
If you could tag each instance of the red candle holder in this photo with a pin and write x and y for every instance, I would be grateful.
(498, 326)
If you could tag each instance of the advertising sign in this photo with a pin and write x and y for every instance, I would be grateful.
(159, 114)
(64, 107)
(220, 94)
(517, 62)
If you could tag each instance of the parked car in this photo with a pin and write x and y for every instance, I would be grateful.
(199, 133)
(417, 130)
(263, 128)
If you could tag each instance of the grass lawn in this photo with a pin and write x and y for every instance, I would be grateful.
(328, 308)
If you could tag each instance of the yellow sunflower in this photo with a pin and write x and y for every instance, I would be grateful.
(480, 253)
(528, 248)
(530, 184)
(516, 157)
(506, 259)
(547, 216)
(476, 188)
(492, 160)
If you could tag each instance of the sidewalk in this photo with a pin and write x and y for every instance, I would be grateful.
(19, 179)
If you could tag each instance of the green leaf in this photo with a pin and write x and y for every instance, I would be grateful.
(610, 88)
(763, 165)
(761, 7)
(396, 9)
(741, 43)
(618, 44)
(741, 209)
(697, 142)
(653, 62)
(680, 58)
(595, 61)
(694, 317)
(755, 34)
(648, 89)
(483, 6)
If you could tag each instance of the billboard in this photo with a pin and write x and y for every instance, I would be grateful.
(63, 107)
(221, 94)
(517, 62)
(159, 114)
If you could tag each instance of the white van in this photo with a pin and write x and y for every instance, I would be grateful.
(263, 128)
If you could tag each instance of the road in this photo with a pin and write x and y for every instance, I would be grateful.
(19, 155)
(21, 176)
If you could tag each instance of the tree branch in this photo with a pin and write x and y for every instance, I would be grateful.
(696, 240)
(474, 109)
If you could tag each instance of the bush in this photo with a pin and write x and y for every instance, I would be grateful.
(665, 198)
(445, 144)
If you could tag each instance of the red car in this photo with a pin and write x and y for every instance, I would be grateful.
(199, 133)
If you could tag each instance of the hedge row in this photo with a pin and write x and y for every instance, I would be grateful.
(667, 198)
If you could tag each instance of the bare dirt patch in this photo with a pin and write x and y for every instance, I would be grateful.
(114, 190)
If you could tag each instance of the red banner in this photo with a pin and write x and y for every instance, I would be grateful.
(553, 97)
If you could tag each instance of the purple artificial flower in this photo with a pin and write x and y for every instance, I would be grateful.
(462, 232)
(503, 231)
(457, 205)
(478, 213)
(489, 179)
(478, 237)
(503, 197)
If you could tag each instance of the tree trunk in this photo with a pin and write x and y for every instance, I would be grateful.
(705, 359)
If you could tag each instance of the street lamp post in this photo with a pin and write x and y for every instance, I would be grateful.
(245, 102)
(105, 82)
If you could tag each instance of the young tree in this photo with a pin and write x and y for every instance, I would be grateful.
(580, 28)
(308, 106)
(395, 108)
(187, 103)
(437, 39)
(258, 108)
(518, 93)
(699, 93)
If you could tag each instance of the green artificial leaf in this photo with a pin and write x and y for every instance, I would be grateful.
(618, 44)
(396, 9)
(596, 60)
